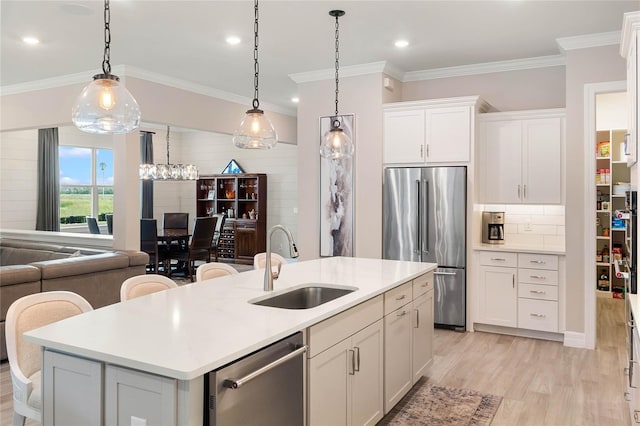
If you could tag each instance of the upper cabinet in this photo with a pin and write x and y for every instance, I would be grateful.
(434, 131)
(629, 47)
(521, 157)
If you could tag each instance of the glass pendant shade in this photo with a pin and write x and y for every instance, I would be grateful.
(255, 132)
(336, 144)
(105, 106)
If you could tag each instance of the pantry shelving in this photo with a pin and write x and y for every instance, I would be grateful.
(612, 179)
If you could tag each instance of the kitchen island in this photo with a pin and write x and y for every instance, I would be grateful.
(183, 333)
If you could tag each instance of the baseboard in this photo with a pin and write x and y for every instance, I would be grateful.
(520, 332)
(574, 340)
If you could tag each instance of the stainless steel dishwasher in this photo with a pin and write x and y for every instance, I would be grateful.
(263, 388)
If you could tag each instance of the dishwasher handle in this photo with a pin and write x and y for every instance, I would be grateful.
(237, 383)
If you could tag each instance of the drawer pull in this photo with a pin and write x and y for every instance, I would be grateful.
(538, 315)
(538, 277)
(537, 292)
(444, 273)
(635, 416)
(539, 262)
(500, 259)
(401, 314)
(401, 297)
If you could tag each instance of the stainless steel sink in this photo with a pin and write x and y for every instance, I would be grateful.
(305, 297)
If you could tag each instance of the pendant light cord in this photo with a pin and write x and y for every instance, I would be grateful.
(106, 61)
(168, 145)
(256, 66)
(337, 60)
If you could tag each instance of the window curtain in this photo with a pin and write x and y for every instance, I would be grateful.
(48, 210)
(146, 157)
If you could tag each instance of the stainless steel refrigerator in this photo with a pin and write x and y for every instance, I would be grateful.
(424, 220)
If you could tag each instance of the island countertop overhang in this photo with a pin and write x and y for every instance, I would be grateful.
(185, 332)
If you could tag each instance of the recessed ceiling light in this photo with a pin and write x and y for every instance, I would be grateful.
(295, 100)
(31, 41)
(233, 40)
(401, 43)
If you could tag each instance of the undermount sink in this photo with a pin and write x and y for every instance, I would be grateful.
(305, 297)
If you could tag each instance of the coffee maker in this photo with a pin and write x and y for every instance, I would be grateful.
(493, 227)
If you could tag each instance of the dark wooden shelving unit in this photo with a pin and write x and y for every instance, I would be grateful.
(243, 198)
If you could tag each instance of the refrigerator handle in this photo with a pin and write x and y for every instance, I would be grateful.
(425, 243)
(418, 228)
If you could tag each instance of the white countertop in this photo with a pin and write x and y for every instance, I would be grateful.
(188, 331)
(519, 248)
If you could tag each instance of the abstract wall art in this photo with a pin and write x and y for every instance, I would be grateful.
(337, 196)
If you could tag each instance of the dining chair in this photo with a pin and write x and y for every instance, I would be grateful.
(220, 220)
(25, 359)
(260, 259)
(92, 222)
(149, 242)
(210, 270)
(141, 285)
(109, 218)
(176, 222)
(199, 247)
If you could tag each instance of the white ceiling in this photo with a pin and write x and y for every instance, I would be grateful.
(185, 40)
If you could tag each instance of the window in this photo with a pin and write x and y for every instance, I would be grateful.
(86, 183)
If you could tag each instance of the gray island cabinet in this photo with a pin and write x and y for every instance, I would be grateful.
(143, 362)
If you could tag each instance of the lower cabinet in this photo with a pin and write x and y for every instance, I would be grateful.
(79, 391)
(345, 381)
(408, 334)
(520, 290)
(136, 398)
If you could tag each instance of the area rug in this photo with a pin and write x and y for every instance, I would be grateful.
(429, 404)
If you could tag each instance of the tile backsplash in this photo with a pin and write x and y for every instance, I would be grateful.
(531, 225)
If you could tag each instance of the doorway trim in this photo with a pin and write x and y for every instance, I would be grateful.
(590, 92)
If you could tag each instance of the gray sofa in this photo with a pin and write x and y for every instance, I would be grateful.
(96, 275)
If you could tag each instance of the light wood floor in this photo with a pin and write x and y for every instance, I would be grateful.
(541, 382)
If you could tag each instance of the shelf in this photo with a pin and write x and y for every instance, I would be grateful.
(619, 162)
(603, 158)
(602, 237)
(618, 196)
(618, 229)
(603, 184)
(602, 264)
(603, 211)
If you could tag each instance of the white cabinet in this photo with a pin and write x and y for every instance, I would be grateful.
(422, 335)
(408, 332)
(498, 296)
(132, 395)
(346, 367)
(435, 131)
(630, 49)
(519, 290)
(397, 354)
(77, 386)
(521, 157)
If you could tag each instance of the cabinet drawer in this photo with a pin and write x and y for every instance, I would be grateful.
(399, 296)
(538, 314)
(422, 284)
(537, 276)
(337, 328)
(498, 258)
(538, 261)
(535, 291)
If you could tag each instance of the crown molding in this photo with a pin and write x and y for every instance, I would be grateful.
(124, 71)
(347, 71)
(588, 40)
(486, 68)
(630, 22)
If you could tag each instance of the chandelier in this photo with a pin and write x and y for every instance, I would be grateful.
(168, 171)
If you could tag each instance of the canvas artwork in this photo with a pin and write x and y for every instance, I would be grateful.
(337, 197)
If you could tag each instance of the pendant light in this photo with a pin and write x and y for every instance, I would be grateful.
(105, 106)
(168, 171)
(336, 143)
(256, 131)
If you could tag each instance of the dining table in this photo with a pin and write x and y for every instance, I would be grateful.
(179, 238)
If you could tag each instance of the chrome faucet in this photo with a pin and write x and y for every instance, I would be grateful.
(269, 275)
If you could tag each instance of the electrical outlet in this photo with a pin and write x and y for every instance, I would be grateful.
(528, 227)
(137, 421)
